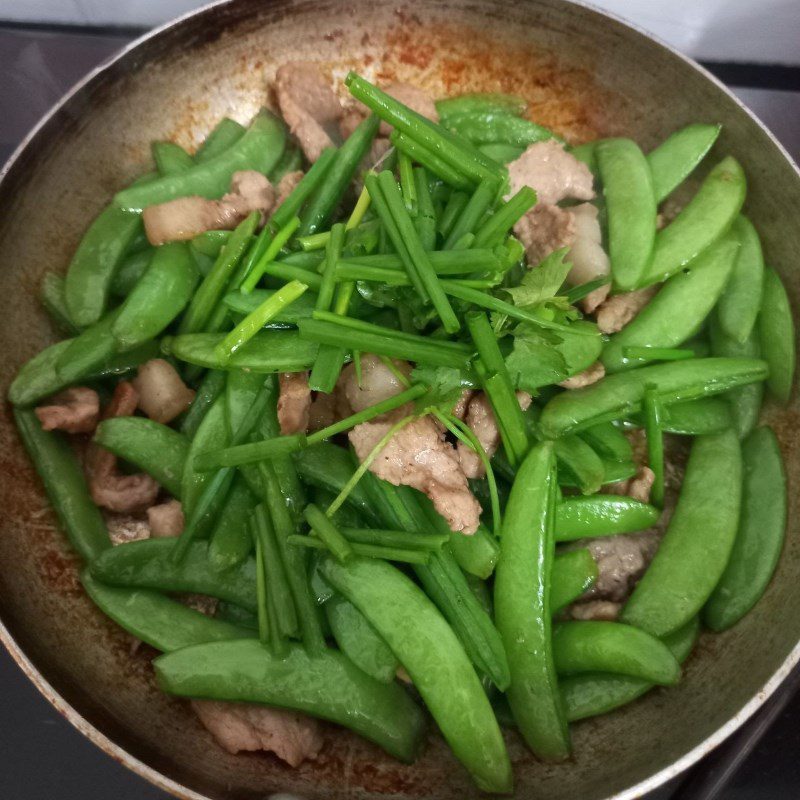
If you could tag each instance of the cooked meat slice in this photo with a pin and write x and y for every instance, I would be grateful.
(287, 184)
(460, 408)
(621, 561)
(554, 173)
(166, 519)
(589, 376)
(419, 456)
(308, 104)
(109, 487)
(378, 382)
(589, 260)
(201, 602)
(294, 402)
(291, 736)
(480, 419)
(350, 120)
(123, 528)
(638, 487)
(322, 411)
(592, 300)
(616, 312)
(600, 610)
(162, 393)
(543, 230)
(186, 217)
(74, 410)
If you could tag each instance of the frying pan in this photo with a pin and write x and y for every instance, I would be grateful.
(584, 73)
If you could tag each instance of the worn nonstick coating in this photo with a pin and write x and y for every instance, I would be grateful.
(584, 74)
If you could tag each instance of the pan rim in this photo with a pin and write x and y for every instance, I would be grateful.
(159, 779)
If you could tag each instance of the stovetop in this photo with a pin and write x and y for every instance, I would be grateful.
(43, 758)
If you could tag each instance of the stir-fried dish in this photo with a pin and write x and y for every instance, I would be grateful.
(385, 409)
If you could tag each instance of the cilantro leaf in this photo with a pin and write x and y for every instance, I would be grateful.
(535, 362)
(446, 385)
(541, 284)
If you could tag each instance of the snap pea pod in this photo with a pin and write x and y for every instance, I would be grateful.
(745, 401)
(259, 149)
(587, 154)
(480, 103)
(776, 335)
(602, 515)
(290, 161)
(590, 694)
(608, 441)
(676, 157)
(630, 207)
(702, 221)
(584, 646)
(130, 271)
(618, 396)
(146, 565)
(156, 449)
(224, 135)
(359, 641)
(488, 127)
(159, 296)
(573, 573)
(429, 650)
(52, 298)
(267, 351)
(738, 306)
(302, 308)
(698, 542)
(156, 620)
(616, 471)
(92, 347)
(678, 310)
(212, 385)
(582, 463)
(326, 198)
(92, 268)
(326, 685)
(759, 539)
(231, 542)
(522, 605)
(695, 417)
(40, 378)
(170, 158)
(209, 243)
(63, 480)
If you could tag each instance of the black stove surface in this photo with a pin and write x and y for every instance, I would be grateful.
(42, 757)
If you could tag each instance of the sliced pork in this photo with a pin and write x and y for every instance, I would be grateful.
(166, 519)
(163, 395)
(75, 410)
(554, 173)
(378, 382)
(617, 311)
(294, 402)
(589, 376)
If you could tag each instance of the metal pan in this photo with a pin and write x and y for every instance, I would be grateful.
(584, 73)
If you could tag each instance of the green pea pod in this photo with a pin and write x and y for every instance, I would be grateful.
(159, 296)
(696, 547)
(210, 243)
(587, 154)
(170, 158)
(326, 685)
(290, 161)
(602, 515)
(608, 441)
(231, 541)
(429, 650)
(678, 155)
(241, 390)
(301, 308)
(522, 605)
(158, 621)
(88, 351)
(359, 641)
(738, 306)
(500, 152)
(631, 208)
(615, 648)
(745, 401)
(590, 694)
(776, 335)
(267, 351)
(53, 299)
(259, 149)
(224, 135)
(678, 310)
(146, 565)
(130, 272)
(91, 271)
(211, 387)
(487, 127)
(573, 573)
(704, 220)
(696, 417)
(63, 480)
(480, 103)
(619, 396)
(39, 377)
(150, 446)
(616, 471)
(759, 539)
(582, 463)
